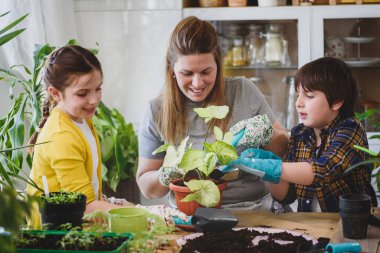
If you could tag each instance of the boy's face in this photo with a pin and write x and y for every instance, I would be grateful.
(80, 99)
(314, 110)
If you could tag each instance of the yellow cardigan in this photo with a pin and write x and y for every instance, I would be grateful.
(66, 160)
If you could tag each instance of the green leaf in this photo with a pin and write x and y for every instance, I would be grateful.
(228, 136)
(170, 159)
(372, 161)
(206, 192)
(5, 38)
(212, 111)
(211, 161)
(192, 159)
(218, 133)
(13, 24)
(225, 152)
(372, 153)
(376, 136)
(161, 148)
(174, 157)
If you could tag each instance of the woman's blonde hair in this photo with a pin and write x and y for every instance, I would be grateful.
(191, 36)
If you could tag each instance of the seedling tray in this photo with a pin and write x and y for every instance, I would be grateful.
(123, 248)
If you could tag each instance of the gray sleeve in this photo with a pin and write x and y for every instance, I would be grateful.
(149, 138)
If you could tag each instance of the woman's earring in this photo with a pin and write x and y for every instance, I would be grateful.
(174, 76)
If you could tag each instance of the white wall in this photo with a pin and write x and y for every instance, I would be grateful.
(132, 37)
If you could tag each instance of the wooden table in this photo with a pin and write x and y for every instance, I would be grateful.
(313, 224)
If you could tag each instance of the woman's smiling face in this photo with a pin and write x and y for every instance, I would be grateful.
(196, 75)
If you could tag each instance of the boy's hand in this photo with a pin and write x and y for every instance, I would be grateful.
(167, 175)
(258, 153)
(267, 166)
(253, 132)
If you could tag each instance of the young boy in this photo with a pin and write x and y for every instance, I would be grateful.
(321, 147)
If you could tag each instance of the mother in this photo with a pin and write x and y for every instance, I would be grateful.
(194, 79)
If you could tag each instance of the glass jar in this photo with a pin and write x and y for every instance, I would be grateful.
(255, 45)
(273, 44)
(238, 53)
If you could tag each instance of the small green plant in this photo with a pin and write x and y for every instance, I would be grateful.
(62, 197)
(75, 239)
(202, 162)
(152, 239)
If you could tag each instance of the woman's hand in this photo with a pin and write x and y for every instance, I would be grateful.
(254, 132)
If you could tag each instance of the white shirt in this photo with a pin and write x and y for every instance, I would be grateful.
(94, 153)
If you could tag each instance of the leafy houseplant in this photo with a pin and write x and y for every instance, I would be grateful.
(199, 164)
(14, 206)
(119, 153)
(374, 157)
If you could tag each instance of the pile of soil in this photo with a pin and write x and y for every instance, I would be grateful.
(241, 241)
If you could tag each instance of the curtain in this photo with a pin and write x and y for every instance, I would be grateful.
(49, 21)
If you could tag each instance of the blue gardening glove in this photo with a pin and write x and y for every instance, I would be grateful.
(258, 153)
(268, 166)
(253, 132)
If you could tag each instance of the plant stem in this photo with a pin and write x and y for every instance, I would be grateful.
(208, 129)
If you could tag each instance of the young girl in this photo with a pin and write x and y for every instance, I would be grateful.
(71, 158)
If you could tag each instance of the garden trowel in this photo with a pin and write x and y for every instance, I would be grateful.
(213, 219)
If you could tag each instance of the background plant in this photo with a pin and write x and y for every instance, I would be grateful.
(14, 206)
(119, 146)
(202, 162)
(374, 159)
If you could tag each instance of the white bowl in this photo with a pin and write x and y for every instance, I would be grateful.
(269, 3)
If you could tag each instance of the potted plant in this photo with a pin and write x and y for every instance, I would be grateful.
(63, 207)
(195, 188)
(119, 148)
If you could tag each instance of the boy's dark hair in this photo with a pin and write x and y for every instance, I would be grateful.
(332, 77)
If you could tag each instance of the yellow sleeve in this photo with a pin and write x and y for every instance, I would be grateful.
(71, 164)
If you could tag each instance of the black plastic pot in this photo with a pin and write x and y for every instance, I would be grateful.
(355, 209)
(54, 215)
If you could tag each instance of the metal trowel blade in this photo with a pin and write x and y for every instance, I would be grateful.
(213, 219)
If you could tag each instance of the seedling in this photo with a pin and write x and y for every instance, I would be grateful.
(62, 197)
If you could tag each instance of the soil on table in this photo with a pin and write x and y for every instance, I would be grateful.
(241, 241)
(49, 241)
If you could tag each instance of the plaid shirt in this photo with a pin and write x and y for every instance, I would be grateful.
(329, 162)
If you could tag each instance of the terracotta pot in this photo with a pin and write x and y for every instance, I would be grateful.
(181, 192)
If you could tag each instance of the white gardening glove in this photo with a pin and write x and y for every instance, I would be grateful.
(167, 175)
(254, 132)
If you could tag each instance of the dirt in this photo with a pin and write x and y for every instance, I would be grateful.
(50, 242)
(241, 241)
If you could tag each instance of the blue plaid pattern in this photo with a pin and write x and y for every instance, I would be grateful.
(329, 162)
